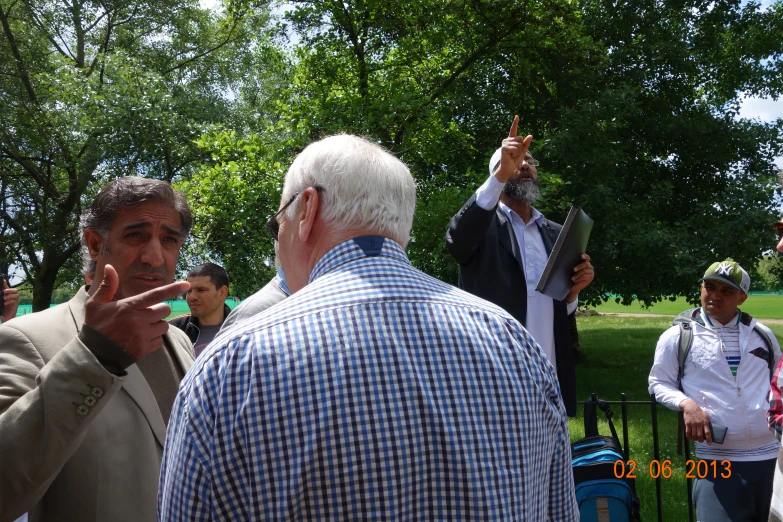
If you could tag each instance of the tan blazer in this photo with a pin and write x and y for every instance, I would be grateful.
(77, 443)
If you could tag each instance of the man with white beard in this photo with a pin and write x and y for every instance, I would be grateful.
(502, 244)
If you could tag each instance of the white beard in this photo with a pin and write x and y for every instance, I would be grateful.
(526, 192)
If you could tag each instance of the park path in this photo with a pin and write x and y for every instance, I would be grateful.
(765, 321)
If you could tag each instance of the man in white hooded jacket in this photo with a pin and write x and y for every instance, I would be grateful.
(725, 382)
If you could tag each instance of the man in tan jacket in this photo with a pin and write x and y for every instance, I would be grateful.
(86, 387)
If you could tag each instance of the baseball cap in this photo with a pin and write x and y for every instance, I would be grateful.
(729, 272)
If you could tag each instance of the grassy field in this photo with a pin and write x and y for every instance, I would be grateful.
(767, 306)
(619, 352)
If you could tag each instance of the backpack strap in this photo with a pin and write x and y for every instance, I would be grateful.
(604, 407)
(683, 320)
(770, 352)
(684, 348)
(609, 414)
(746, 319)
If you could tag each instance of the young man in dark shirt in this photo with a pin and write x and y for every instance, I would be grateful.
(206, 299)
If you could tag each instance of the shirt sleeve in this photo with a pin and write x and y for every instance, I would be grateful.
(111, 355)
(488, 194)
(571, 307)
(185, 491)
(48, 406)
(775, 412)
(562, 499)
(663, 375)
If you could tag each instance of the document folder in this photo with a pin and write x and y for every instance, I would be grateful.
(571, 243)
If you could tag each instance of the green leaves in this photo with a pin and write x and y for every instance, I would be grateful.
(231, 197)
(95, 90)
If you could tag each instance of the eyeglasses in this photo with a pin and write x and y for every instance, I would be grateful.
(532, 162)
(273, 225)
(779, 229)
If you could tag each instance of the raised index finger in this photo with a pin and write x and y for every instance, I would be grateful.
(513, 132)
(158, 295)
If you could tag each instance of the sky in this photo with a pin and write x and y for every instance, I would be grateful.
(764, 109)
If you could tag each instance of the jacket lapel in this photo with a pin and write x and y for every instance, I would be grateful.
(135, 384)
(76, 306)
(507, 238)
(182, 355)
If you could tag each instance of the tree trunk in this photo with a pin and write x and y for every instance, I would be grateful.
(43, 288)
(43, 284)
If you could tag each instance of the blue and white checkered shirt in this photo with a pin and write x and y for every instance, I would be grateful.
(375, 392)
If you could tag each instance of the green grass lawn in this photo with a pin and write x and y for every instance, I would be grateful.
(619, 353)
(768, 306)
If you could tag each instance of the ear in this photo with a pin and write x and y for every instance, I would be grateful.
(310, 202)
(742, 299)
(94, 242)
(223, 292)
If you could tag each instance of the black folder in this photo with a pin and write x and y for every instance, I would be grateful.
(571, 243)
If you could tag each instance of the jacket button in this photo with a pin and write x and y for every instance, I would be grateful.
(82, 410)
(97, 392)
(90, 401)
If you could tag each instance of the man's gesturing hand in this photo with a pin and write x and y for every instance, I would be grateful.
(135, 323)
(512, 152)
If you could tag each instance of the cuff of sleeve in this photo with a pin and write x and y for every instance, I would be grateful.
(571, 307)
(488, 194)
(110, 354)
(679, 399)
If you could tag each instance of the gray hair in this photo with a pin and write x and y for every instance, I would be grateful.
(365, 186)
(128, 192)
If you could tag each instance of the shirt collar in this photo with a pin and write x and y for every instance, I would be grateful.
(536, 216)
(281, 282)
(711, 323)
(357, 248)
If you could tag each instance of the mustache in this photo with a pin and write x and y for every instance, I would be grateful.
(144, 268)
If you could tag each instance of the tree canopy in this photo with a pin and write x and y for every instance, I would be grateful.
(92, 90)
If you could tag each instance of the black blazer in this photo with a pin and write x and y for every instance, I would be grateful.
(490, 266)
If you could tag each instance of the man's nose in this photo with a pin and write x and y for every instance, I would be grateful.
(152, 253)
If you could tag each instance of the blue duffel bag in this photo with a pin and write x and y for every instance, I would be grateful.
(601, 496)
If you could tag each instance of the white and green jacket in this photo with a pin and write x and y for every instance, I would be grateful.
(740, 404)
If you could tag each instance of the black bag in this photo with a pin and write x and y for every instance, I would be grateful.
(600, 494)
